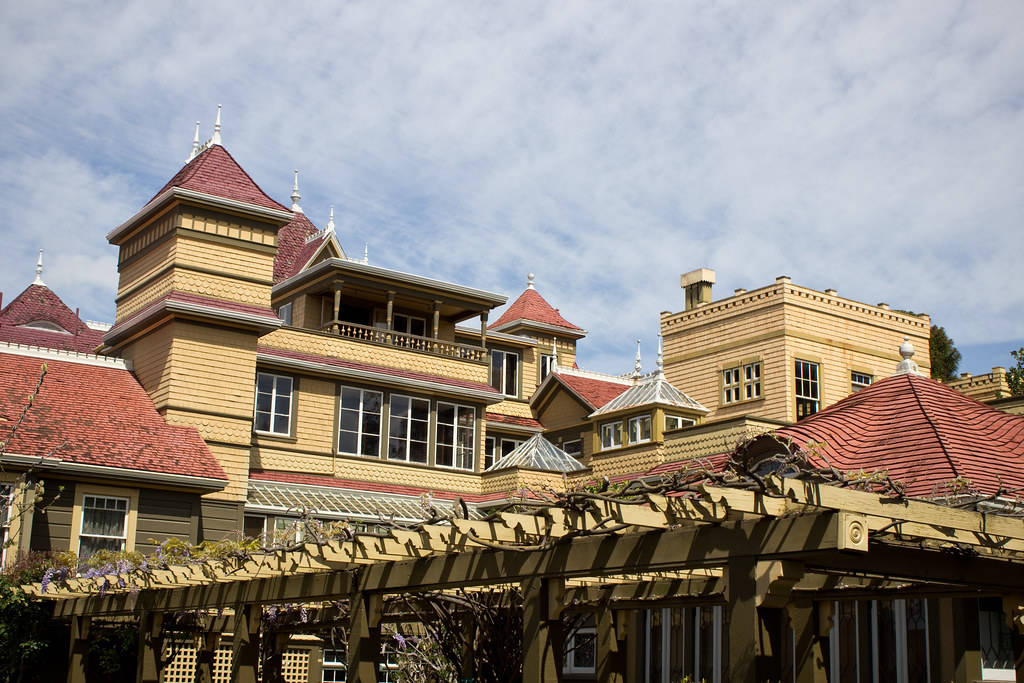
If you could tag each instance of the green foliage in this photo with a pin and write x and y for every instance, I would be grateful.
(113, 653)
(1015, 375)
(944, 357)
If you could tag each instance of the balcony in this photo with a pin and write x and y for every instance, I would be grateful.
(401, 340)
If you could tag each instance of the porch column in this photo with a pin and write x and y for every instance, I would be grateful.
(206, 652)
(245, 648)
(961, 651)
(437, 318)
(611, 651)
(150, 647)
(543, 645)
(78, 655)
(483, 329)
(390, 318)
(742, 625)
(809, 657)
(364, 637)
(337, 303)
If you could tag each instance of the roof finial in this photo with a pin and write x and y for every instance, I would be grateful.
(637, 365)
(529, 281)
(215, 140)
(366, 252)
(295, 194)
(907, 366)
(661, 361)
(39, 270)
(554, 354)
(195, 145)
(330, 221)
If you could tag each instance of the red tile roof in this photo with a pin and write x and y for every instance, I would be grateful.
(95, 415)
(38, 303)
(922, 432)
(595, 392)
(514, 420)
(531, 306)
(292, 248)
(378, 369)
(369, 486)
(214, 171)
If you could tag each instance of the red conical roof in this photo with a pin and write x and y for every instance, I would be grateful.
(39, 304)
(532, 306)
(921, 432)
(214, 171)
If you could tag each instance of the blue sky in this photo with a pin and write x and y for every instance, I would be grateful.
(606, 146)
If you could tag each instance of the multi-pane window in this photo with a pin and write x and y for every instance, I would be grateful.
(334, 670)
(581, 652)
(752, 381)
(677, 421)
(488, 451)
(640, 429)
(408, 428)
(611, 435)
(859, 380)
(104, 525)
(456, 432)
(273, 403)
(505, 372)
(547, 361)
(574, 447)
(409, 324)
(741, 383)
(807, 396)
(359, 430)
(730, 385)
(287, 530)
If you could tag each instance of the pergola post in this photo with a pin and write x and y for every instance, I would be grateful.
(150, 647)
(78, 655)
(543, 645)
(206, 652)
(809, 660)
(741, 621)
(274, 645)
(245, 648)
(363, 651)
(961, 651)
(611, 660)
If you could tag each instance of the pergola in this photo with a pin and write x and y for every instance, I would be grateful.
(770, 550)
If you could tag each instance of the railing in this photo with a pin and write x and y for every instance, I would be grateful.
(402, 340)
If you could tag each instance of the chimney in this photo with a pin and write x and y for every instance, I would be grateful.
(697, 285)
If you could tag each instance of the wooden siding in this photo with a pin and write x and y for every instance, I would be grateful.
(219, 519)
(166, 514)
(51, 525)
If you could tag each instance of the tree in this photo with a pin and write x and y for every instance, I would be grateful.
(1015, 375)
(944, 357)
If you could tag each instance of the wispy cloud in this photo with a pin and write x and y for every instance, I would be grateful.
(607, 147)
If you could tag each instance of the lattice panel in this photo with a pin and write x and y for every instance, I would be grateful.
(294, 665)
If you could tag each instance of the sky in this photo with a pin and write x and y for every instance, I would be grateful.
(607, 147)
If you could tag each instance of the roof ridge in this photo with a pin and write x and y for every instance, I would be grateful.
(65, 355)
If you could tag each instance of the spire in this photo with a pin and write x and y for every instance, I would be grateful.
(330, 221)
(215, 140)
(637, 365)
(907, 366)
(366, 252)
(195, 145)
(295, 194)
(39, 270)
(554, 354)
(529, 281)
(661, 362)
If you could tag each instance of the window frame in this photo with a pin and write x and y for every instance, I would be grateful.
(273, 405)
(501, 382)
(78, 514)
(617, 428)
(468, 464)
(573, 453)
(809, 382)
(683, 422)
(856, 380)
(544, 365)
(408, 324)
(638, 420)
(571, 648)
(360, 433)
(742, 382)
(408, 429)
(489, 444)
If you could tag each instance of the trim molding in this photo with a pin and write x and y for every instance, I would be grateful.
(119, 473)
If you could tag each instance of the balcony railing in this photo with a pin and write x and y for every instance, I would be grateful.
(402, 340)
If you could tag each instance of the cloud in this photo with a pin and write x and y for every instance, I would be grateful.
(607, 147)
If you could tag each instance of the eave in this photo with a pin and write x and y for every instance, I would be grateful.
(50, 464)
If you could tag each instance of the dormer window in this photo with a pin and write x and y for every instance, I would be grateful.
(45, 325)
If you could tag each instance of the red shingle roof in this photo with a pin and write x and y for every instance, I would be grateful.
(922, 432)
(38, 303)
(216, 172)
(514, 420)
(292, 248)
(595, 392)
(531, 306)
(101, 415)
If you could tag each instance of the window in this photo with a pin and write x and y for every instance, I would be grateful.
(409, 324)
(611, 435)
(859, 380)
(509, 445)
(7, 493)
(334, 670)
(505, 372)
(547, 361)
(359, 424)
(284, 312)
(574, 447)
(488, 451)
(677, 421)
(456, 434)
(806, 388)
(104, 525)
(640, 429)
(408, 427)
(741, 383)
(581, 652)
(273, 403)
(287, 530)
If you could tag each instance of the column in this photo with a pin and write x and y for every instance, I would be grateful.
(337, 304)
(483, 329)
(808, 655)
(437, 318)
(245, 648)
(611, 659)
(206, 652)
(390, 319)
(961, 652)
(363, 637)
(542, 630)
(742, 622)
(151, 647)
(78, 656)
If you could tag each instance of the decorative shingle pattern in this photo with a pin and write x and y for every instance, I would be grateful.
(532, 306)
(292, 248)
(195, 299)
(38, 303)
(94, 415)
(537, 453)
(922, 433)
(214, 171)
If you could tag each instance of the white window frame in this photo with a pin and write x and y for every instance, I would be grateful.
(513, 443)
(489, 445)
(407, 438)
(609, 432)
(8, 495)
(731, 385)
(859, 380)
(806, 385)
(275, 392)
(361, 416)
(334, 664)
(636, 429)
(500, 375)
(752, 381)
(565, 445)
(547, 361)
(741, 382)
(678, 422)
(569, 665)
(467, 459)
(117, 501)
